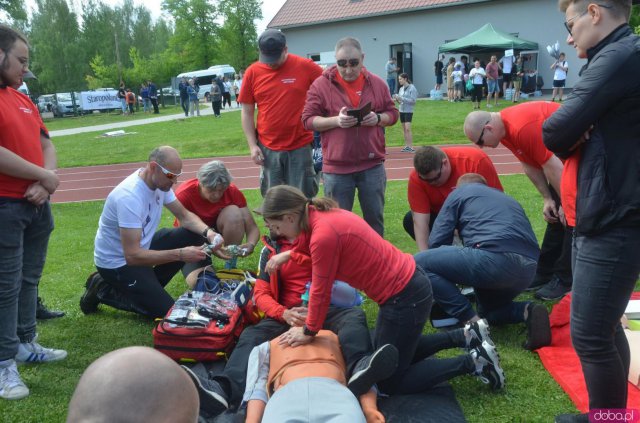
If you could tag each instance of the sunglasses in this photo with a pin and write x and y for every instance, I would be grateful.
(168, 173)
(480, 142)
(435, 178)
(352, 62)
(579, 15)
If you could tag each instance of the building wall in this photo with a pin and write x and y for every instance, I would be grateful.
(538, 21)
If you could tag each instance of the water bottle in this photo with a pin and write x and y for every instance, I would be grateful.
(305, 296)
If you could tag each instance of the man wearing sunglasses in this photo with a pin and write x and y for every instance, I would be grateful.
(134, 261)
(277, 84)
(519, 128)
(435, 174)
(353, 143)
(597, 131)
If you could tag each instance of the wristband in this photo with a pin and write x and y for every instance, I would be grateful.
(205, 232)
(308, 331)
(379, 119)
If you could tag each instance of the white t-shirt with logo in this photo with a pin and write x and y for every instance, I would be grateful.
(507, 63)
(131, 205)
(559, 73)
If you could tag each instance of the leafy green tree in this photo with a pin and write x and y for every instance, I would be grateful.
(56, 56)
(238, 34)
(103, 75)
(13, 10)
(196, 32)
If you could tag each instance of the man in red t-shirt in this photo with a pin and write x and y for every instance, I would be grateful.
(519, 128)
(222, 206)
(27, 179)
(436, 172)
(278, 85)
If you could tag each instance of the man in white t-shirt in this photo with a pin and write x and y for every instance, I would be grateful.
(135, 262)
(560, 68)
(506, 63)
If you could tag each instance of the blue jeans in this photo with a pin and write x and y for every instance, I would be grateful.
(391, 82)
(400, 322)
(23, 250)
(497, 278)
(294, 167)
(371, 185)
(605, 269)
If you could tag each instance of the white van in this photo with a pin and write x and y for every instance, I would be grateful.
(204, 77)
(24, 89)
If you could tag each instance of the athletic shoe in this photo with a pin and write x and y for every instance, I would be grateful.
(11, 386)
(407, 149)
(554, 290)
(43, 313)
(486, 356)
(213, 399)
(373, 368)
(33, 352)
(538, 327)
(537, 283)
(89, 300)
(476, 333)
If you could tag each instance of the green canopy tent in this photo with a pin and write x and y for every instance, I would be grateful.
(487, 40)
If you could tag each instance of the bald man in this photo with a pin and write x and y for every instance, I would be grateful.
(135, 384)
(519, 128)
(135, 262)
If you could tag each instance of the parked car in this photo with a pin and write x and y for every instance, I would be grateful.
(45, 103)
(63, 104)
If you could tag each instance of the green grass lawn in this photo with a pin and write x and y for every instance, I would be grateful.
(530, 395)
(434, 122)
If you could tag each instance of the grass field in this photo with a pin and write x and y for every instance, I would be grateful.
(531, 395)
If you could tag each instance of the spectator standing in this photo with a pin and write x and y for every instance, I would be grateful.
(450, 82)
(216, 97)
(596, 131)
(153, 96)
(144, 94)
(465, 71)
(353, 151)
(506, 62)
(406, 98)
(131, 100)
(437, 68)
(560, 69)
(226, 95)
(392, 69)
(183, 87)
(27, 178)
(458, 82)
(517, 75)
(278, 86)
(122, 95)
(219, 81)
(492, 81)
(237, 84)
(477, 75)
(194, 101)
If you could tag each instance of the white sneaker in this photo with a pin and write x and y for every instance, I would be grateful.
(33, 352)
(11, 386)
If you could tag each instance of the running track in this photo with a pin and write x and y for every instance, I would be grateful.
(95, 182)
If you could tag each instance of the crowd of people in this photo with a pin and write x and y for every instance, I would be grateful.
(578, 155)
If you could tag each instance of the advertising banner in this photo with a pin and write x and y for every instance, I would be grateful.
(100, 100)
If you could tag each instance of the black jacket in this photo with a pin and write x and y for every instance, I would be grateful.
(607, 97)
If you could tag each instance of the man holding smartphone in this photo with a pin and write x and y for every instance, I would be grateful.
(519, 128)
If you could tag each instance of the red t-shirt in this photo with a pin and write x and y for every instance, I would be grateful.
(20, 130)
(523, 125)
(353, 88)
(427, 199)
(343, 247)
(280, 95)
(569, 187)
(189, 195)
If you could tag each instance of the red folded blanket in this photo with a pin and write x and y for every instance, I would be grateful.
(561, 361)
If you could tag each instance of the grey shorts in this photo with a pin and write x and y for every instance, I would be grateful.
(294, 167)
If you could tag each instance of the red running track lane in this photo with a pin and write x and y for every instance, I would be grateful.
(96, 182)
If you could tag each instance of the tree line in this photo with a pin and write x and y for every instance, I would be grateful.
(104, 44)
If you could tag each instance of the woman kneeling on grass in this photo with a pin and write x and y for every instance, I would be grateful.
(343, 246)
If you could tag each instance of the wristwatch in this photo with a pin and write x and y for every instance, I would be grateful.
(379, 119)
(308, 331)
(205, 232)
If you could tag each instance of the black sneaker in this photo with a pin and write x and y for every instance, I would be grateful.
(537, 283)
(487, 356)
(552, 291)
(89, 300)
(43, 313)
(213, 399)
(373, 368)
(476, 333)
(538, 327)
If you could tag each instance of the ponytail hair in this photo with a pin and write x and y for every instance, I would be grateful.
(285, 199)
(405, 76)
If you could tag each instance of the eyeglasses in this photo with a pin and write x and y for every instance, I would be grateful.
(480, 141)
(352, 63)
(578, 16)
(435, 178)
(169, 174)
